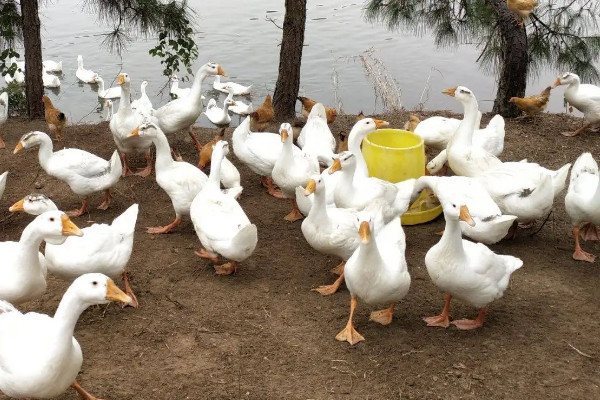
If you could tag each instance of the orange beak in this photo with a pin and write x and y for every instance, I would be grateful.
(69, 228)
(380, 123)
(364, 231)
(284, 135)
(466, 216)
(18, 206)
(135, 132)
(336, 166)
(556, 83)
(121, 79)
(310, 187)
(18, 148)
(450, 91)
(220, 71)
(113, 293)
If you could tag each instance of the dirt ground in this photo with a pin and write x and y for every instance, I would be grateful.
(262, 334)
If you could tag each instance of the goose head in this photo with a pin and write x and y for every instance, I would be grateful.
(566, 79)
(286, 132)
(229, 102)
(365, 227)
(30, 140)
(109, 104)
(97, 288)
(454, 211)
(212, 69)
(123, 80)
(147, 128)
(364, 126)
(314, 185)
(346, 160)
(56, 226)
(461, 93)
(220, 149)
(174, 78)
(144, 85)
(34, 204)
(318, 111)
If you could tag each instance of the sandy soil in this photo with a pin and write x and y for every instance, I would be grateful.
(262, 334)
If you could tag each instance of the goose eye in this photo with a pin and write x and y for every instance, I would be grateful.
(454, 205)
(95, 283)
(51, 219)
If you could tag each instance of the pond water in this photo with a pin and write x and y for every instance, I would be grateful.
(237, 35)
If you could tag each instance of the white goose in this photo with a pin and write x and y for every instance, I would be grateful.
(582, 203)
(259, 151)
(315, 138)
(230, 87)
(103, 248)
(359, 132)
(52, 66)
(242, 108)
(122, 123)
(216, 115)
(176, 90)
(353, 191)
(85, 75)
(109, 107)
(110, 93)
(490, 225)
(49, 80)
(376, 273)
(181, 180)
(183, 112)
(84, 172)
(584, 97)
(39, 357)
(467, 271)
(220, 223)
(464, 157)
(329, 230)
(143, 104)
(292, 170)
(490, 138)
(23, 273)
(3, 114)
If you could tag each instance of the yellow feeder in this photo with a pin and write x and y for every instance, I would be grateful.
(396, 155)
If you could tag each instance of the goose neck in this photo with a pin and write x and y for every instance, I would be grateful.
(196, 90)
(318, 211)
(464, 133)
(67, 314)
(125, 103)
(45, 152)
(451, 240)
(214, 178)
(163, 151)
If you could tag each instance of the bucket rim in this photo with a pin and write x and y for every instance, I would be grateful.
(403, 131)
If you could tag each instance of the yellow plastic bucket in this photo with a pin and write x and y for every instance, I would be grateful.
(396, 155)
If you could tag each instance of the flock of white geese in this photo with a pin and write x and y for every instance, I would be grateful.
(348, 214)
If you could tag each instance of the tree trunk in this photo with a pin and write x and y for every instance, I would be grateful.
(513, 62)
(34, 87)
(290, 57)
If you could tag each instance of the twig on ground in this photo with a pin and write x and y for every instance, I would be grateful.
(581, 353)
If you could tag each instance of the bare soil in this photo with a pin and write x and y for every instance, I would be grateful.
(262, 333)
